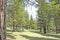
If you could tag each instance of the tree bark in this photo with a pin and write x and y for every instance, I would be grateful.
(2, 20)
(13, 26)
(44, 27)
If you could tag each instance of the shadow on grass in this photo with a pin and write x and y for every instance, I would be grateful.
(52, 35)
(36, 38)
(9, 30)
(9, 35)
(15, 30)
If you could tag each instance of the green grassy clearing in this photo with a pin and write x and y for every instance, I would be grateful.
(27, 35)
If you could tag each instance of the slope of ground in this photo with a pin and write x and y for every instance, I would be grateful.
(27, 35)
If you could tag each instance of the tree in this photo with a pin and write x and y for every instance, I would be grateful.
(49, 12)
(42, 13)
(17, 16)
(2, 20)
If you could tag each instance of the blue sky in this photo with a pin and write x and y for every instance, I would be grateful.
(32, 10)
(47, 0)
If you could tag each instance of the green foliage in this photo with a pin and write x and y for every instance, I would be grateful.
(48, 12)
(16, 14)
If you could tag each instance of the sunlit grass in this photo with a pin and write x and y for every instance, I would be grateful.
(31, 36)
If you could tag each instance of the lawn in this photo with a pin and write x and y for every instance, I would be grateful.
(28, 35)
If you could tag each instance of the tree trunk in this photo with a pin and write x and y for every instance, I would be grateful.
(2, 20)
(44, 30)
(55, 24)
(44, 27)
(13, 26)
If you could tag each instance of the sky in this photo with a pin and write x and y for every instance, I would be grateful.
(32, 10)
(47, 0)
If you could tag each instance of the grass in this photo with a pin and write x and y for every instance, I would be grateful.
(28, 35)
(31, 35)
